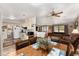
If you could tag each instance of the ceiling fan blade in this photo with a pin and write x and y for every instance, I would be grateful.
(59, 13)
(53, 12)
(54, 15)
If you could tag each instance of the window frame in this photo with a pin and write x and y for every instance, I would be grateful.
(59, 30)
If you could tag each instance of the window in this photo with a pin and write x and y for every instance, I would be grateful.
(59, 28)
(42, 28)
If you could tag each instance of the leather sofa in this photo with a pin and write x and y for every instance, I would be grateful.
(70, 48)
(23, 43)
(75, 44)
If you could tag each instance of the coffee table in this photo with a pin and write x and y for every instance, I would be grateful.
(30, 51)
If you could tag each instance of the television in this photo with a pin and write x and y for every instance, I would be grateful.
(30, 33)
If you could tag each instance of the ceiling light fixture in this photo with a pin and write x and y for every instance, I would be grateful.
(12, 17)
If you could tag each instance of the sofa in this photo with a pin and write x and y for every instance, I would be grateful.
(23, 43)
(70, 47)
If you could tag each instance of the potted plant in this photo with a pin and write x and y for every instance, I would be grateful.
(43, 43)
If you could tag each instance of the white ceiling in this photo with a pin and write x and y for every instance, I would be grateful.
(25, 10)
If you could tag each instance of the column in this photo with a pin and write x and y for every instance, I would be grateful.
(1, 42)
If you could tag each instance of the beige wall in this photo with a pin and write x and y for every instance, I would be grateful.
(78, 25)
(70, 28)
(78, 28)
(50, 29)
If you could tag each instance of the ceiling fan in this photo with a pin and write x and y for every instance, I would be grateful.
(54, 13)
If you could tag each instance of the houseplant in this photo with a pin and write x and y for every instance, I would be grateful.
(43, 43)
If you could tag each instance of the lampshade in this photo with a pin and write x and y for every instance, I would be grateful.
(75, 31)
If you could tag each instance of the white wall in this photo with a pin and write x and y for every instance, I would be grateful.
(29, 22)
(1, 41)
(0, 37)
(55, 20)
